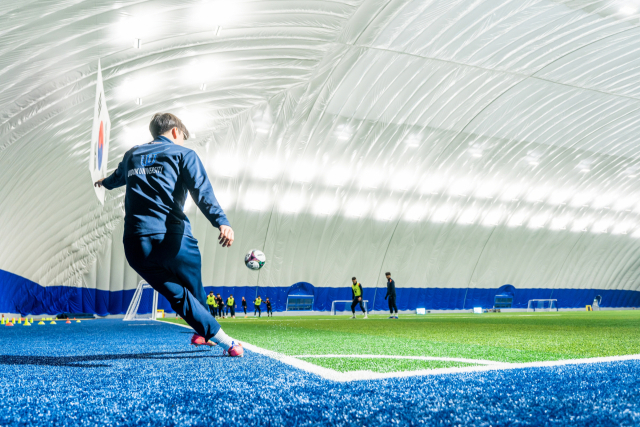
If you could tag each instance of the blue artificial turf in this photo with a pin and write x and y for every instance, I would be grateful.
(110, 372)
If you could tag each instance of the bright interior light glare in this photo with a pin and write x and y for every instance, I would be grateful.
(559, 196)
(387, 211)
(142, 26)
(135, 135)
(200, 71)
(370, 178)
(225, 165)
(265, 168)
(137, 87)
(432, 184)
(343, 132)
(461, 187)
(487, 189)
(415, 212)
(194, 119)
(442, 214)
(581, 198)
(325, 205)
(559, 223)
(624, 203)
(628, 10)
(356, 208)
(512, 192)
(224, 199)
(537, 193)
(468, 216)
(302, 172)
(602, 226)
(604, 200)
(338, 175)
(216, 13)
(413, 140)
(517, 219)
(581, 224)
(292, 202)
(538, 221)
(403, 180)
(622, 228)
(256, 201)
(493, 217)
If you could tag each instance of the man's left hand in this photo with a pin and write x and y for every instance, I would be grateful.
(226, 236)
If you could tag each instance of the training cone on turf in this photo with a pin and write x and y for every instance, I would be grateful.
(26, 322)
(40, 322)
(9, 324)
(53, 322)
(68, 321)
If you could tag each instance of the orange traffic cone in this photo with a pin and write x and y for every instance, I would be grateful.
(68, 321)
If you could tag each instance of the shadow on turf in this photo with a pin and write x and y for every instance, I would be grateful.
(77, 361)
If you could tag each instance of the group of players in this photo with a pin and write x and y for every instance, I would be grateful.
(356, 295)
(224, 309)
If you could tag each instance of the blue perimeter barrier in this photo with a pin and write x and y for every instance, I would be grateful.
(20, 295)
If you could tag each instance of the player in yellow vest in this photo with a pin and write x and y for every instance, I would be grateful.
(231, 305)
(356, 294)
(211, 303)
(257, 309)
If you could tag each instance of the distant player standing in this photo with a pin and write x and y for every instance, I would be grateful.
(356, 294)
(158, 242)
(211, 302)
(244, 307)
(269, 311)
(391, 294)
(231, 305)
(220, 306)
(256, 306)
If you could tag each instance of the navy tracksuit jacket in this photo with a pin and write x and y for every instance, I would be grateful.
(158, 242)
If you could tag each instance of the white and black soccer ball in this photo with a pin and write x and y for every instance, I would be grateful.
(254, 259)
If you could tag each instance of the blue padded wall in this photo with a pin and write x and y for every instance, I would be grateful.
(20, 295)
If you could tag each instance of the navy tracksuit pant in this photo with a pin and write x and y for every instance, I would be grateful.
(171, 264)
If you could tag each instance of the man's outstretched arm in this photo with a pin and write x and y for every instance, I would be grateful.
(195, 177)
(115, 180)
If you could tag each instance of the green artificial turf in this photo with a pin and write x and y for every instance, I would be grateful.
(380, 365)
(504, 337)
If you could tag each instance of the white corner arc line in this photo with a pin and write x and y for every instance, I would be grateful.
(334, 375)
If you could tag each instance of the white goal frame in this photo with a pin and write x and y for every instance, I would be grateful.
(536, 305)
(333, 305)
(132, 311)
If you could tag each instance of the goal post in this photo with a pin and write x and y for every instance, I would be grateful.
(536, 305)
(344, 307)
(144, 304)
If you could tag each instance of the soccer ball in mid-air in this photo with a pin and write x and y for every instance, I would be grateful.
(255, 259)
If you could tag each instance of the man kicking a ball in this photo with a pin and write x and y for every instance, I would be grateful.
(158, 242)
(356, 294)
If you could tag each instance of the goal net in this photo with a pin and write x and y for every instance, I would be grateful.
(542, 305)
(344, 307)
(144, 304)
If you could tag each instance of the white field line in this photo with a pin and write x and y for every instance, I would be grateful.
(334, 375)
(379, 356)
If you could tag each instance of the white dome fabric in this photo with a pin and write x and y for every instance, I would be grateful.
(460, 145)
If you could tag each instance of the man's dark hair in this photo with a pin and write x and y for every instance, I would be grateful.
(387, 274)
(164, 122)
(354, 278)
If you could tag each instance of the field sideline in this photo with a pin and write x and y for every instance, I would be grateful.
(379, 344)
